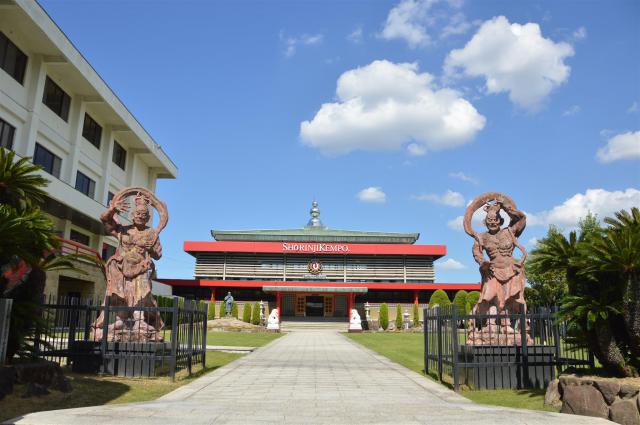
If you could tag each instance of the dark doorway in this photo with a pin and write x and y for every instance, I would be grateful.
(314, 306)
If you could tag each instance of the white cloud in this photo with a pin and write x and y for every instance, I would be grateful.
(355, 36)
(372, 194)
(450, 264)
(571, 111)
(601, 202)
(513, 58)
(408, 21)
(633, 108)
(456, 223)
(457, 25)
(579, 34)
(449, 198)
(416, 149)
(622, 146)
(291, 43)
(462, 176)
(384, 105)
(532, 242)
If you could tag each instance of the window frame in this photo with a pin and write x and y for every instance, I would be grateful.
(10, 131)
(20, 59)
(119, 155)
(82, 235)
(52, 157)
(90, 184)
(52, 89)
(91, 131)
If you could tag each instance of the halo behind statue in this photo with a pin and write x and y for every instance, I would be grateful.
(153, 201)
(478, 203)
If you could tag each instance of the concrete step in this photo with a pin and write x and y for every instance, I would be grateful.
(288, 326)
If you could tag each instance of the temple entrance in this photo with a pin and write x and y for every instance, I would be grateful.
(314, 306)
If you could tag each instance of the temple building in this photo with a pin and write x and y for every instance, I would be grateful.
(314, 270)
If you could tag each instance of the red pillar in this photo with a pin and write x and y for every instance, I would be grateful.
(349, 304)
(415, 296)
(278, 299)
(213, 295)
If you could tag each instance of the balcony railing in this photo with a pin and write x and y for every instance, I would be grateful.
(70, 247)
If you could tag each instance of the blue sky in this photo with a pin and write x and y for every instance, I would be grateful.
(392, 114)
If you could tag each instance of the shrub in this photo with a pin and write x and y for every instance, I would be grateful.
(416, 316)
(246, 313)
(211, 312)
(222, 311)
(439, 297)
(255, 316)
(234, 310)
(384, 316)
(473, 297)
(398, 316)
(460, 301)
(467, 308)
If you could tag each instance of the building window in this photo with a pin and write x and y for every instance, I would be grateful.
(91, 131)
(107, 251)
(7, 131)
(56, 99)
(119, 155)
(50, 163)
(12, 59)
(110, 196)
(85, 185)
(80, 238)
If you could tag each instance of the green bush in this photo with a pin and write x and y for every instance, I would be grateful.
(473, 297)
(416, 316)
(460, 301)
(467, 308)
(234, 310)
(398, 316)
(246, 313)
(255, 316)
(211, 311)
(439, 297)
(384, 316)
(221, 310)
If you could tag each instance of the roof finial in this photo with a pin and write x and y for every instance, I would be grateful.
(315, 215)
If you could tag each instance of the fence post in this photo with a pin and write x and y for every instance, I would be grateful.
(74, 315)
(426, 341)
(205, 312)
(454, 355)
(525, 353)
(439, 333)
(5, 317)
(105, 332)
(174, 339)
(556, 339)
(191, 312)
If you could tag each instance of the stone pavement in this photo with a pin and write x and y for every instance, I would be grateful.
(307, 378)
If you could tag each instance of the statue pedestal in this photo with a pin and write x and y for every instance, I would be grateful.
(502, 366)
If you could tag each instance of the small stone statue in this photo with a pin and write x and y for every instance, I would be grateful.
(228, 304)
(367, 311)
(355, 323)
(128, 270)
(273, 323)
(261, 312)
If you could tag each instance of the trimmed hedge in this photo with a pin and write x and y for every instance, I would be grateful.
(246, 313)
(234, 310)
(439, 297)
(416, 316)
(384, 316)
(211, 310)
(473, 297)
(221, 312)
(460, 301)
(398, 316)
(255, 316)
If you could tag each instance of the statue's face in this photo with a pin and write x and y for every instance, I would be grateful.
(140, 217)
(492, 222)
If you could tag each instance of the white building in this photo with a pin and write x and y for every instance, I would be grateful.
(55, 108)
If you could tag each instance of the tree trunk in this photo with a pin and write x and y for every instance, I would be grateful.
(612, 358)
(632, 313)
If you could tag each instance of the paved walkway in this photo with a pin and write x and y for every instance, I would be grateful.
(307, 378)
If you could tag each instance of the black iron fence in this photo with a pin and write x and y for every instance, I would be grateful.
(489, 351)
(5, 318)
(93, 337)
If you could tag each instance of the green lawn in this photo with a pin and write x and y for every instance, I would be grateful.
(407, 350)
(241, 339)
(94, 390)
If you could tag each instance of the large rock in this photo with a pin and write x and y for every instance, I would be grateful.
(609, 390)
(552, 396)
(625, 412)
(584, 400)
(628, 391)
